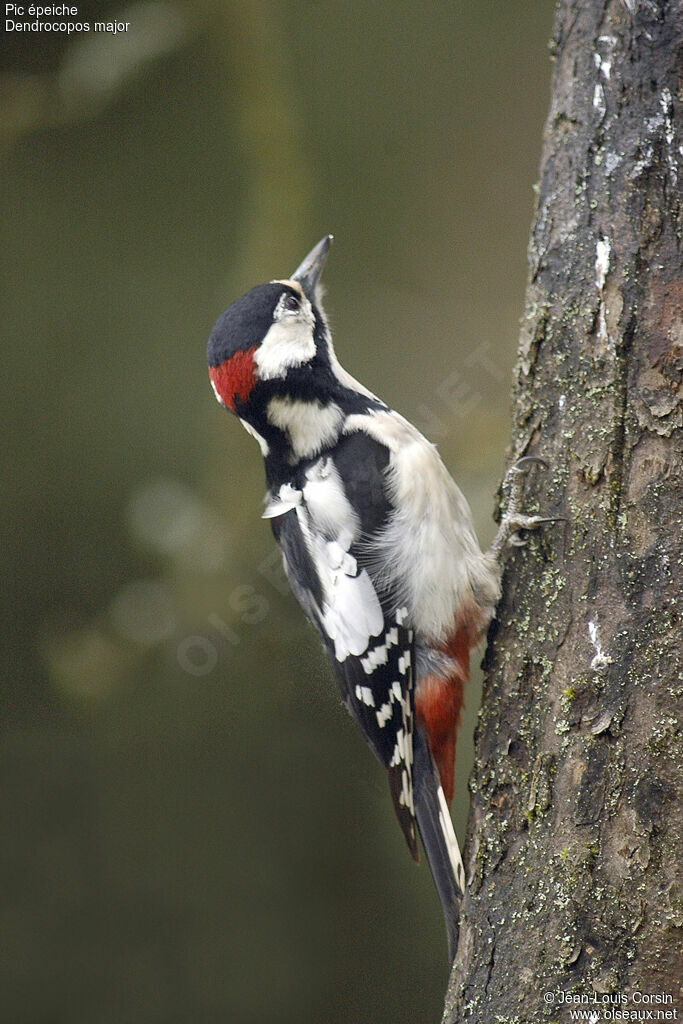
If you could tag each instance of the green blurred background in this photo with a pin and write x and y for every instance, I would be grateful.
(192, 830)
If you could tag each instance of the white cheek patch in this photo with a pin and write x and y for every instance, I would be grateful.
(289, 342)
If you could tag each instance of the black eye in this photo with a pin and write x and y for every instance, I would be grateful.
(291, 303)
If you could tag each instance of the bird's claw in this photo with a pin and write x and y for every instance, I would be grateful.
(513, 519)
(517, 523)
(525, 463)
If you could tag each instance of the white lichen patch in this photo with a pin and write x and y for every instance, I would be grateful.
(602, 256)
(666, 103)
(612, 161)
(603, 64)
(600, 660)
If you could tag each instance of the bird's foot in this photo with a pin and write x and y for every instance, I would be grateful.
(514, 519)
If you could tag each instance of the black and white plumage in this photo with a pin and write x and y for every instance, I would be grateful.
(323, 527)
(378, 546)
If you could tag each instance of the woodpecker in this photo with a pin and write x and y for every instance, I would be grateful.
(377, 542)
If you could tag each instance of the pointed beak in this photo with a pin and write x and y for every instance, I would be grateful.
(308, 273)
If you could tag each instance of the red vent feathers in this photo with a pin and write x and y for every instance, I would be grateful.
(234, 378)
(438, 703)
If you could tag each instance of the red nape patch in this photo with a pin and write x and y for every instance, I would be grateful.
(234, 378)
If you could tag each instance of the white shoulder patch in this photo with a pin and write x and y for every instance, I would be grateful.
(330, 509)
(353, 613)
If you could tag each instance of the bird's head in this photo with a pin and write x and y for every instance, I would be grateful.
(271, 341)
(272, 363)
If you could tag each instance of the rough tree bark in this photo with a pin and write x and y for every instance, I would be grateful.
(571, 850)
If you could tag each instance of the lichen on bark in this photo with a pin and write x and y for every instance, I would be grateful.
(574, 826)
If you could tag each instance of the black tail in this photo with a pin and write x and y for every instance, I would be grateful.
(438, 837)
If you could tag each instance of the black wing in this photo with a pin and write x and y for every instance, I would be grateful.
(377, 689)
(365, 632)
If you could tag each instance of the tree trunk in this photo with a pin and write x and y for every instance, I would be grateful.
(571, 849)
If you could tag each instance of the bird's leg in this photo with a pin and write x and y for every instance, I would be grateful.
(513, 519)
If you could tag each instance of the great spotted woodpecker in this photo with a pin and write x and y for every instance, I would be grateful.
(378, 546)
